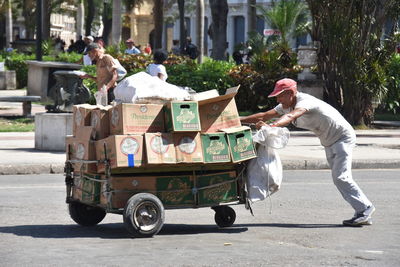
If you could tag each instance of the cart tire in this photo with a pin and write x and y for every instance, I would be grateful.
(144, 215)
(224, 216)
(85, 215)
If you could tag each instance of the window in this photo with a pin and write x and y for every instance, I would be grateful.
(239, 32)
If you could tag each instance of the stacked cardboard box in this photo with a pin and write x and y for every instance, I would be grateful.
(206, 130)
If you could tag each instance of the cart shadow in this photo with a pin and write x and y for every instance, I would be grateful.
(118, 231)
(108, 230)
(192, 229)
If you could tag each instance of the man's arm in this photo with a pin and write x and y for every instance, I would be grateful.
(262, 116)
(286, 119)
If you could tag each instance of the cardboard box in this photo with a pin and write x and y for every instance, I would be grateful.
(81, 116)
(225, 189)
(100, 120)
(188, 148)
(86, 189)
(160, 148)
(218, 112)
(215, 148)
(81, 149)
(240, 142)
(121, 150)
(182, 116)
(136, 118)
(171, 190)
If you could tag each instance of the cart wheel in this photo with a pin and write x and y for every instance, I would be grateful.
(224, 216)
(144, 215)
(86, 215)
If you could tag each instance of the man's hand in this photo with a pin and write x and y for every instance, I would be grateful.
(260, 124)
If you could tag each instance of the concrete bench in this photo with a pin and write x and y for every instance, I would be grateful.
(26, 102)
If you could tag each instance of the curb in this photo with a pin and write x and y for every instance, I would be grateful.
(286, 165)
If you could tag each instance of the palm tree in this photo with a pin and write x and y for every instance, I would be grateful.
(251, 15)
(289, 17)
(158, 17)
(8, 12)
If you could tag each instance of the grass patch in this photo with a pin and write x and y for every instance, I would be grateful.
(17, 124)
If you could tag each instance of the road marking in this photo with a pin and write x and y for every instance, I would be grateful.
(374, 251)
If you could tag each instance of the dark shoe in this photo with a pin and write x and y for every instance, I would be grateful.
(361, 218)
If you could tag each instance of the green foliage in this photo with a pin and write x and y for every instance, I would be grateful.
(257, 79)
(391, 102)
(69, 57)
(212, 74)
(89, 83)
(16, 61)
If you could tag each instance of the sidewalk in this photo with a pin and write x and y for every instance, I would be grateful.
(374, 149)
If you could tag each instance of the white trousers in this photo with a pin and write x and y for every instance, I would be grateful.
(339, 156)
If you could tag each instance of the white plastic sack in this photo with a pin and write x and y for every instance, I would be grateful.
(142, 86)
(264, 173)
(101, 97)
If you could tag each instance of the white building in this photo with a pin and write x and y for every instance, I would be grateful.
(236, 24)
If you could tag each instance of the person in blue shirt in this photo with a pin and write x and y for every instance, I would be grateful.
(132, 49)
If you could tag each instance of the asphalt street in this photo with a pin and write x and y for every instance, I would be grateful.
(300, 225)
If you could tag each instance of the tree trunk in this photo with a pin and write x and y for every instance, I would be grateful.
(158, 11)
(182, 30)
(116, 22)
(251, 15)
(90, 17)
(46, 12)
(107, 22)
(200, 29)
(80, 18)
(219, 14)
(9, 23)
(28, 12)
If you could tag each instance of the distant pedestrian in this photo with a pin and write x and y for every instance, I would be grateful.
(132, 49)
(157, 68)
(190, 49)
(147, 50)
(176, 50)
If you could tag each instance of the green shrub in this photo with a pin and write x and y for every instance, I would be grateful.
(89, 83)
(258, 79)
(391, 102)
(68, 57)
(16, 61)
(212, 74)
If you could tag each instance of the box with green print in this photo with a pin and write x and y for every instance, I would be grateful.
(215, 148)
(240, 142)
(182, 116)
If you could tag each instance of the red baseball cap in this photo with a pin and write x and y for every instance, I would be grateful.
(283, 85)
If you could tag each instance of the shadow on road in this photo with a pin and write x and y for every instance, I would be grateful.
(290, 225)
(117, 230)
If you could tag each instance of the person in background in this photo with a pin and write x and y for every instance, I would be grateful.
(79, 45)
(335, 133)
(106, 69)
(86, 59)
(176, 50)
(132, 49)
(147, 49)
(157, 68)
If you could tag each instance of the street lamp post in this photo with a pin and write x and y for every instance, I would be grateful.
(39, 30)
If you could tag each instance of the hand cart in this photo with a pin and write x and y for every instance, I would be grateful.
(142, 194)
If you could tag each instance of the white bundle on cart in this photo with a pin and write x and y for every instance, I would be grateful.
(142, 87)
(264, 173)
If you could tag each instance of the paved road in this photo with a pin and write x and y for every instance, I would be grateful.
(303, 228)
